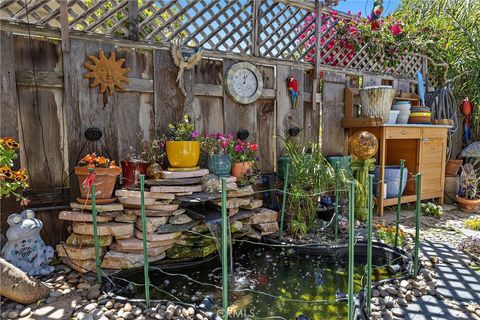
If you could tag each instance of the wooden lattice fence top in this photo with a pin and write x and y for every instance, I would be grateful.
(271, 29)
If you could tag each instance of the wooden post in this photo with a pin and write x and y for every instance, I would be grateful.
(316, 79)
(133, 20)
(64, 27)
(254, 33)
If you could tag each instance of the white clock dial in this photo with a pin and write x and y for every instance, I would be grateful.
(244, 83)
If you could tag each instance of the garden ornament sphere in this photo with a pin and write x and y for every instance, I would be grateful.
(363, 145)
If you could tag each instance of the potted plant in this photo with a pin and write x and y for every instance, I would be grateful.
(11, 180)
(134, 165)
(216, 146)
(106, 172)
(243, 157)
(468, 198)
(153, 153)
(183, 150)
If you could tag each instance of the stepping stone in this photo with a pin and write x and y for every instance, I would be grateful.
(267, 228)
(82, 240)
(117, 229)
(151, 251)
(176, 189)
(232, 202)
(77, 253)
(184, 174)
(99, 207)
(155, 213)
(83, 217)
(137, 244)
(153, 195)
(179, 219)
(153, 223)
(158, 237)
(162, 207)
(169, 228)
(240, 192)
(82, 266)
(135, 202)
(263, 215)
(120, 260)
(254, 204)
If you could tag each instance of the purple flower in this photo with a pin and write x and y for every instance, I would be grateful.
(238, 148)
(195, 134)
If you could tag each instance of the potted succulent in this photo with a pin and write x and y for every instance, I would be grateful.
(216, 146)
(243, 157)
(183, 149)
(468, 197)
(106, 172)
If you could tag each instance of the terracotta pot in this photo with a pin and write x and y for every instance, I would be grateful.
(105, 179)
(468, 205)
(240, 168)
(183, 154)
(154, 171)
(131, 171)
(452, 167)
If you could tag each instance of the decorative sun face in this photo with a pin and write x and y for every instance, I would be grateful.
(106, 73)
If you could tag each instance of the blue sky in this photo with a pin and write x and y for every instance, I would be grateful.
(365, 6)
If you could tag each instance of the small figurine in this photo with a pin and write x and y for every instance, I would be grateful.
(292, 85)
(25, 248)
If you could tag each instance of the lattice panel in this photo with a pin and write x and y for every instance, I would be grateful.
(284, 31)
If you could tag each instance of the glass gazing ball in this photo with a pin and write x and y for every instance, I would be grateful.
(362, 145)
(154, 171)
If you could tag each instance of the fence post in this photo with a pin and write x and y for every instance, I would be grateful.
(336, 199)
(133, 20)
(224, 250)
(145, 243)
(351, 244)
(399, 201)
(417, 224)
(95, 231)
(369, 244)
(284, 200)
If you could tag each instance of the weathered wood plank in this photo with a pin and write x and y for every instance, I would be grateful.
(208, 114)
(8, 93)
(334, 137)
(266, 134)
(52, 79)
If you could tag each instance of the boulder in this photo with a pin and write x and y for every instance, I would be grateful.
(121, 260)
(240, 192)
(267, 228)
(176, 189)
(153, 223)
(83, 217)
(153, 195)
(183, 174)
(233, 202)
(158, 237)
(81, 266)
(263, 215)
(99, 207)
(77, 253)
(117, 229)
(82, 240)
(179, 219)
(254, 204)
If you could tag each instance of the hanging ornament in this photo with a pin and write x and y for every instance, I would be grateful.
(106, 73)
(467, 109)
(184, 61)
(376, 14)
(292, 85)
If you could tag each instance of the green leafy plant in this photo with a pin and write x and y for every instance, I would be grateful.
(387, 234)
(183, 130)
(430, 209)
(11, 180)
(473, 223)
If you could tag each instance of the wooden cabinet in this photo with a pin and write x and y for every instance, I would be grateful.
(424, 150)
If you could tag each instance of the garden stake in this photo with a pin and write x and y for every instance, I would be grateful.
(224, 250)
(369, 245)
(144, 238)
(284, 200)
(95, 232)
(417, 224)
(351, 243)
(399, 201)
(336, 199)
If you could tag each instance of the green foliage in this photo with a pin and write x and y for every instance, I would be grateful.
(183, 130)
(473, 223)
(10, 180)
(430, 209)
(387, 234)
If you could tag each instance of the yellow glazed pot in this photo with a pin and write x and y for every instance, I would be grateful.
(183, 154)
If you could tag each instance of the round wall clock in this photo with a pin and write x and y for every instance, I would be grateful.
(244, 83)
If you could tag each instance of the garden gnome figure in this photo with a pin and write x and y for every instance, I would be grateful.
(25, 248)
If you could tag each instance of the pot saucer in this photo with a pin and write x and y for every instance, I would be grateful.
(183, 169)
(98, 201)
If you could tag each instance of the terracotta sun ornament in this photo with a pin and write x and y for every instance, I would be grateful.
(106, 73)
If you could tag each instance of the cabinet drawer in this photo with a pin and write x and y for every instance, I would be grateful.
(431, 133)
(403, 133)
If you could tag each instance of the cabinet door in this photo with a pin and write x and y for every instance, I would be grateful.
(432, 154)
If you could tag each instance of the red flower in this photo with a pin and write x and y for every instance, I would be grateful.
(396, 29)
(254, 147)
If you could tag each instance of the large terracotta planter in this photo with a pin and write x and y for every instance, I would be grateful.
(239, 169)
(105, 179)
(468, 205)
(452, 167)
(131, 171)
(183, 154)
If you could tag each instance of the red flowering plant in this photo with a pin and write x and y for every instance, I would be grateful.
(93, 161)
(242, 151)
(216, 143)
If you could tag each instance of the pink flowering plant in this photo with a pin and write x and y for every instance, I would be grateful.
(242, 151)
(216, 143)
(183, 130)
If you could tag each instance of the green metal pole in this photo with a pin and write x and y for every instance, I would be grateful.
(399, 201)
(95, 232)
(284, 200)
(224, 250)
(369, 245)
(417, 224)
(336, 199)
(351, 243)
(145, 243)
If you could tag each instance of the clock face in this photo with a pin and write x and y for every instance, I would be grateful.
(244, 83)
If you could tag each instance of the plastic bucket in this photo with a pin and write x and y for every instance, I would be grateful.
(392, 179)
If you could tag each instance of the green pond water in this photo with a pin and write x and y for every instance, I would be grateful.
(267, 282)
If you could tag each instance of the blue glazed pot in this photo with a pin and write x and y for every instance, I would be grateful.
(220, 164)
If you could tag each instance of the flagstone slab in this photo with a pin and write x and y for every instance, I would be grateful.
(99, 207)
(264, 215)
(121, 260)
(84, 217)
(126, 217)
(148, 194)
(135, 202)
(152, 223)
(176, 189)
(117, 229)
(184, 174)
(157, 236)
(180, 219)
(267, 228)
(232, 202)
(82, 266)
(83, 240)
(240, 192)
(151, 251)
(162, 207)
(77, 253)
(137, 244)
(254, 204)
(169, 228)
(154, 213)
(180, 252)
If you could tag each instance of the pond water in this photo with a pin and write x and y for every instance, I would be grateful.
(266, 282)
